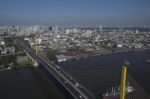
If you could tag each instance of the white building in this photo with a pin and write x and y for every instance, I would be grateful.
(61, 58)
(2, 43)
(119, 45)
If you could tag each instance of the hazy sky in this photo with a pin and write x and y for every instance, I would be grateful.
(73, 12)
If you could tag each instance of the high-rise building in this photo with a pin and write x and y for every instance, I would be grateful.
(137, 31)
(50, 28)
(100, 28)
(55, 29)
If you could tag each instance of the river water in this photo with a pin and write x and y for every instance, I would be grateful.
(102, 72)
(97, 74)
(27, 83)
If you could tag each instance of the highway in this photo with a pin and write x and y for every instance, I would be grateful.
(69, 83)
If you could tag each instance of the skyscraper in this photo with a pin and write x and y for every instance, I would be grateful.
(100, 28)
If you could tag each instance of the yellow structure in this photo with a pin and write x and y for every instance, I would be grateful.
(36, 45)
(123, 82)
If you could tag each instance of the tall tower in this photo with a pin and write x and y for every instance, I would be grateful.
(137, 31)
(55, 29)
(100, 28)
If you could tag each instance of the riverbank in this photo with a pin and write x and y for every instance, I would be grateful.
(97, 53)
(18, 66)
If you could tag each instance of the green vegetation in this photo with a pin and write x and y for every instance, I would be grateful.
(6, 60)
(14, 61)
(50, 55)
(9, 41)
(24, 65)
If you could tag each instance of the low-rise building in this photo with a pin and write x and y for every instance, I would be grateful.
(61, 58)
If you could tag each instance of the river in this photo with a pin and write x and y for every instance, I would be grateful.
(102, 72)
(97, 74)
(27, 83)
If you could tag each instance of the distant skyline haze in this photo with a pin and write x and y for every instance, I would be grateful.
(75, 12)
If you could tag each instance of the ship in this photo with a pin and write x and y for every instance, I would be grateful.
(114, 92)
(147, 61)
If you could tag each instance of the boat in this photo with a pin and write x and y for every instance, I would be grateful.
(114, 92)
(147, 61)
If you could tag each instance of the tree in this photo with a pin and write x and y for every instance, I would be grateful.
(51, 56)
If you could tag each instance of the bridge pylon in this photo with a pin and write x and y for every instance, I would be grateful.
(123, 82)
(36, 45)
(35, 64)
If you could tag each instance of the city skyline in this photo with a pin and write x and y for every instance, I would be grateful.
(75, 12)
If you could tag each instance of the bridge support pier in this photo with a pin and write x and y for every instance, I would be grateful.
(35, 64)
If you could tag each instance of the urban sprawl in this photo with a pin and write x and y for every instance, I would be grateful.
(74, 42)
